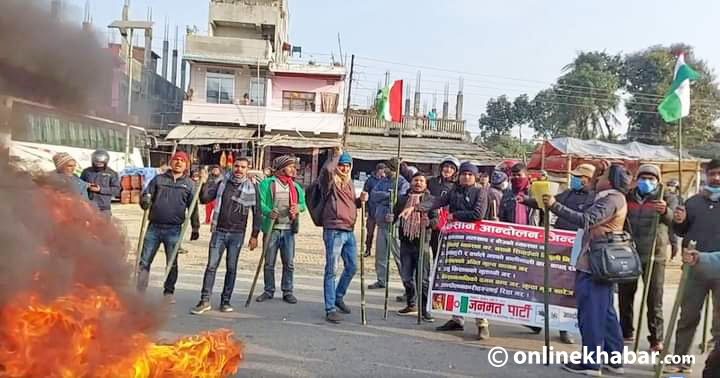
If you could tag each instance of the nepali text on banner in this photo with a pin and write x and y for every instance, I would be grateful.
(495, 271)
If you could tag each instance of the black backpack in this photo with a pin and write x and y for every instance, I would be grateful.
(315, 202)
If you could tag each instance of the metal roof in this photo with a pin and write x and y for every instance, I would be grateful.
(204, 135)
(418, 150)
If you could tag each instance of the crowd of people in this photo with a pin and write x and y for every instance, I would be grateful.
(599, 200)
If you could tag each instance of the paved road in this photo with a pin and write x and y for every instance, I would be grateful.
(294, 340)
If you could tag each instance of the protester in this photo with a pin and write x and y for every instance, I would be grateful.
(597, 319)
(467, 203)
(282, 200)
(707, 266)
(215, 174)
(511, 210)
(237, 197)
(380, 199)
(338, 216)
(698, 221)
(168, 196)
(578, 197)
(371, 182)
(104, 182)
(65, 166)
(439, 186)
(498, 187)
(644, 206)
(483, 180)
(411, 245)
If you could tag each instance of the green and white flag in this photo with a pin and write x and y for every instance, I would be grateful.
(676, 104)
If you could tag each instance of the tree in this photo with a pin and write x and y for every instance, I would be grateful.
(498, 118)
(647, 76)
(505, 145)
(583, 101)
(496, 125)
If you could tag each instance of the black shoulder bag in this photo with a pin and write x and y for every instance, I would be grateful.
(614, 258)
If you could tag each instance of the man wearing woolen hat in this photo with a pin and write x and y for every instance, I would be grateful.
(644, 206)
(281, 199)
(65, 166)
(167, 196)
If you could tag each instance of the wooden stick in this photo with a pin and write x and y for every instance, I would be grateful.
(266, 242)
(141, 242)
(363, 310)
(419, 274)
(546, 281)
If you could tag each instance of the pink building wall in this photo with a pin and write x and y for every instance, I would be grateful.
(304, 84)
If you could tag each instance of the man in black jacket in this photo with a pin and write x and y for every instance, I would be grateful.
(236, 196)
(467, 203)
(168, 197)
(439, 186)
(411, 245)
(104, 182)
(699, 220)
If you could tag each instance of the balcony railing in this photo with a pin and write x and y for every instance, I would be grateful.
(227, 50)
(421, 127)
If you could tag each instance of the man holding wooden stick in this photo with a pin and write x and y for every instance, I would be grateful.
(168, 196)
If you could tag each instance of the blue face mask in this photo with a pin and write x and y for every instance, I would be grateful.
(646, 186)
(576, 183)
(714, 192)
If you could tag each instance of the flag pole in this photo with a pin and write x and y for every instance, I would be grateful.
(680, 157)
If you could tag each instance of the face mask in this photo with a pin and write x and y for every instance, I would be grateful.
(520, 183)
(714, 192)
(576, 183)
(646, 186)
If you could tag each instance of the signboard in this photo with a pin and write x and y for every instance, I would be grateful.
(495, 271)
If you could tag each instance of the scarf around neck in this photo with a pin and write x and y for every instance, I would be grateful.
(288, 181)
(413, 224)
(245, 192)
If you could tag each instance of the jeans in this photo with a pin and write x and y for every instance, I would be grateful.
(168, 235)
(283, 240)
(409, 253)
(598, 322)
(381, 259)
(370, 230)
(654, 303)
(219, 242)
(338, 243)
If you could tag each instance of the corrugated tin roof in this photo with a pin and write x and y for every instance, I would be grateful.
(204, 135)
(418, 150)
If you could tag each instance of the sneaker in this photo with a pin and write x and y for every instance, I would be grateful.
(401, 298)
(451, 325)
(483, 332)
(565, 338)
(169, 298)
(201, 308)
(579, 369)
(615, 369)
(428, 318)
(342, 307)
(264, 297)
(681, 369)
(409, 310)
(226, 308)
(289, 298)
(376, 285)
(333, 317)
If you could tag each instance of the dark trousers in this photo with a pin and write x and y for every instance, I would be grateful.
(435, 243)
(598, 322)
(691, 310)
(712, 364)
(168, 235)
(219, 242)
(409, 253)
(283, 240)
(370, 231)
(654, 303)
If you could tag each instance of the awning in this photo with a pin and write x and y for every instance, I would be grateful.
(204, 135)
(299, 142)
(418, 150)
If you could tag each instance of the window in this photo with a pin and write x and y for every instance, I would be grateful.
(220, 88)
(298, 101)
(330, 102)
(257, 92)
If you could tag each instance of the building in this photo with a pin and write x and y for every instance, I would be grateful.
(248, 97)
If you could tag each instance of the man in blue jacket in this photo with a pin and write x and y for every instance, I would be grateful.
(168, 197)
(104, 182)
(370, 184)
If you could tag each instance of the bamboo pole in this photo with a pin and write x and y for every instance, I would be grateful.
(363, 246)
(391, 230)
(266, 242)
(546, 280)
(419, 275)
(141, 242)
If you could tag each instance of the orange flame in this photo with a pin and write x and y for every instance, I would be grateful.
(80, 335)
